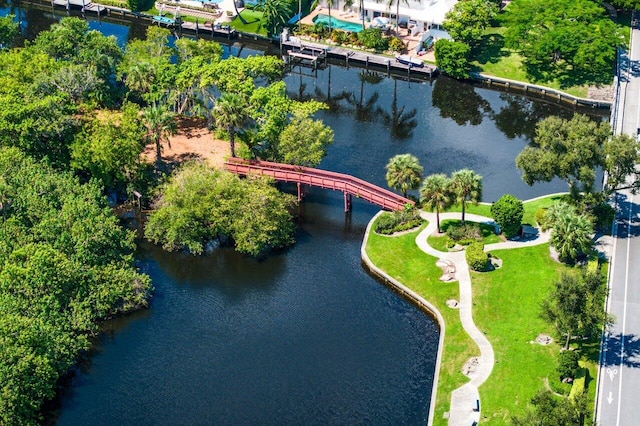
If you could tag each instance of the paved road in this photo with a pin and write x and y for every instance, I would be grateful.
(618, 400)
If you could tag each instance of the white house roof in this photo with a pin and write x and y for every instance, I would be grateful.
(432, 11)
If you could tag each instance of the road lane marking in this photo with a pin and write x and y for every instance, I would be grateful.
(624, 310)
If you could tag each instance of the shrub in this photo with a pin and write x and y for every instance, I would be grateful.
(389, 223)
(508, 212)
(568, 365)
(396, 44)
(477, 259)
(452, 57)
(372, 38)
(353, 39)
(541, 218)
(467, 241)
(338, 37)
(458, 232)
(579, 383)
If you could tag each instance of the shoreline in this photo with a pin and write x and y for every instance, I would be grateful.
(422, 304)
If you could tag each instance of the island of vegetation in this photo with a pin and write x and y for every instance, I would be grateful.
(76, 113)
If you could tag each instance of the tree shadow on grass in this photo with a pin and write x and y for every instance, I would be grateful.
(567, 75)
(490, 49)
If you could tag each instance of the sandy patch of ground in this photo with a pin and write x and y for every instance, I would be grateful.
(192, 141)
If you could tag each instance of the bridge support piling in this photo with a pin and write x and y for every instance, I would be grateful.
(347, 202)
(300, 191)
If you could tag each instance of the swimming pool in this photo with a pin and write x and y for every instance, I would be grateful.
(337, 23)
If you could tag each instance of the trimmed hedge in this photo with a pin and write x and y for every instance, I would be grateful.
(399, 221)
(476, 257)
(579, 384)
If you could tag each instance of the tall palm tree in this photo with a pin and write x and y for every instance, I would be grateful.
(437, 193)
(404, 172)
(467, 185)
(229, 113)
(161, 124)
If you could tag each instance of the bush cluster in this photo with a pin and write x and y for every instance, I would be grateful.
(541, 218)
(370, 38)
(402, 220)
(476, 257)
(508, 212)
(467, 232)
(568, 365)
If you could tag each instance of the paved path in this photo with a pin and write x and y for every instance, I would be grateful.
(465, 401)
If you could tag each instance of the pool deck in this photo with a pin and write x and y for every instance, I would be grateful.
(411, 41)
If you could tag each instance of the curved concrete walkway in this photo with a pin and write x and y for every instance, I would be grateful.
(465, 401)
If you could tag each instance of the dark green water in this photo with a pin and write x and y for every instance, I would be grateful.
(305, 336)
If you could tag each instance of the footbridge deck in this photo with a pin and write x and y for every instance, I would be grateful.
(349, 185)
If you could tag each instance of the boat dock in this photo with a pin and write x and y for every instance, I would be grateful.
(310, 53)
(83, 5)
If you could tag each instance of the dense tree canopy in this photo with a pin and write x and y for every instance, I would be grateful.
(199, 206)
(571, 233)
(568, 149)
(452, 57)
(468, 19)
(556, 35)
(64, 264)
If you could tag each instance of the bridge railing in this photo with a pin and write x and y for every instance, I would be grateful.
(320, 178)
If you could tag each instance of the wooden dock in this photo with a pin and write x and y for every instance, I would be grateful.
(83, 5)
(297, 49)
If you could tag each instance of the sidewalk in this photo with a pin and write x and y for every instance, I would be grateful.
(465, 401)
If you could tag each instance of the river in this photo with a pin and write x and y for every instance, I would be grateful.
(306, 336)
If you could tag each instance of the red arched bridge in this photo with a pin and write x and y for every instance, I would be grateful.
(348, 184)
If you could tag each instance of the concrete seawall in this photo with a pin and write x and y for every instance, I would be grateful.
(422, 303)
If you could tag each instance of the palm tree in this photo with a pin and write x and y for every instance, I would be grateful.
(467, 186)
(161, 124)
(389, 4)
(404, 172)
(229, 113)
(275, 15)
(437, 193)
(571, 234)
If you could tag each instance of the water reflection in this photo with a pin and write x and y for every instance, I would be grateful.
(459, 101)
(519, 116)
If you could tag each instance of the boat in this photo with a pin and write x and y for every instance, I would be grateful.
(410, 60)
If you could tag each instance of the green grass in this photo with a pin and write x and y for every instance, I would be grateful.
(440, 243)
(419, 272)
(530, 208)
(494, 58)
(507, 309)
(254, 23)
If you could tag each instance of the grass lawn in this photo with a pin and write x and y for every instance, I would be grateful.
(530, 208)
(493, 58)
(506, 308)
(419, 272)
(440, 243)
(254, 23)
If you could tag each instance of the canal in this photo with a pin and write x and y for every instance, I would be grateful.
(306, 336)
